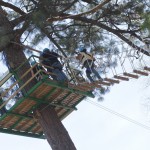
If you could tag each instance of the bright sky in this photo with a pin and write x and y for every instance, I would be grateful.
(92, 128)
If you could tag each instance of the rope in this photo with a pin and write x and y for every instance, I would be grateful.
(118, 114)
(131, 62)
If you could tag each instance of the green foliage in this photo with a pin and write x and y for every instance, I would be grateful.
(146, 23)
(120, 18)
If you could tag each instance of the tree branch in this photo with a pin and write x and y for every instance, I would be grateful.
(81, 14)
(55, 43)
(20, 19)
(116, 32)
(68, 6)
(16, 9)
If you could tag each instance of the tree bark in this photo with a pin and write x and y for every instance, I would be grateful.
(6, 31)
(15, 56)
(55, 132)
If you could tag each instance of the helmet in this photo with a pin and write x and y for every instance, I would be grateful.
(45, 50)
(33, 62)
(82, 49)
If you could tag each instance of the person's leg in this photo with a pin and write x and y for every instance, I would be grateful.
(57, 65)
(96, 73)
(64, 77)
(3, 111)
(60, 73)
(88, 74)
(52, 71)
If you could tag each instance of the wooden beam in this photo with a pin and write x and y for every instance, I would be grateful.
(146, 68)
(141, 72)
(121, 78)
(112, 80)
(21, 133)
(131, 75)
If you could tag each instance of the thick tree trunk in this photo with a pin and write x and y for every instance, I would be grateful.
(55, 132)
(6, 31)
(15, 56)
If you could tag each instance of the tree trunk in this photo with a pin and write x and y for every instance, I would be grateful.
(15, 56)
(6, 31)
(55, 132)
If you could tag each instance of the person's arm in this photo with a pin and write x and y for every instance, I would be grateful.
(57, 55)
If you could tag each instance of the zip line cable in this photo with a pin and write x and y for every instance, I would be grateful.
(118, 114)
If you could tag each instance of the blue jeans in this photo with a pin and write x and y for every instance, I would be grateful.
(57, 69)
(90, 69)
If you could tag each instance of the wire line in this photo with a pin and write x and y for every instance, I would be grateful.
(118, 114)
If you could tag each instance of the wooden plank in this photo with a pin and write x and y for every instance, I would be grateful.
(103, 82)
(86, 86)
(146, 68)
(112, 80)
(140, 72)
(95, 85)
(121, 78)
(10, 122)
(27, 125)
(18, 90)
(3, 79)
(82, 87)
(131, 75)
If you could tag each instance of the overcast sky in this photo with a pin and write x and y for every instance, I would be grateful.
(92, 128)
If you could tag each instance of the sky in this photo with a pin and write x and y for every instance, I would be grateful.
(93, 128)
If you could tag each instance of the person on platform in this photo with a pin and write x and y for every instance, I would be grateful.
(50, 60)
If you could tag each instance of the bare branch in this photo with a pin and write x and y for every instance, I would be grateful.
(16, 9)
(55, 43)
(20, 19)
(69, 6)
(81, 14)
(116, 32)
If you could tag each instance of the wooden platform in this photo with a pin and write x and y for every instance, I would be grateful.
(19, 119)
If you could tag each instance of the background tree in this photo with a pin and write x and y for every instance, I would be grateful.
(71, 23)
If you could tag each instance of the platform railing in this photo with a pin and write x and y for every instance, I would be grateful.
(41, 72)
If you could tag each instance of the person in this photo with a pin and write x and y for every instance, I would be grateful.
(53, 65)
(3, 109)
(87, 61)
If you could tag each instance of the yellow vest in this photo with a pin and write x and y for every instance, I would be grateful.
(83, 57)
